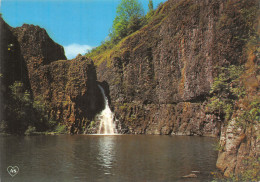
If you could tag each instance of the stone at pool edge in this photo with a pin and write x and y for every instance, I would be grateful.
(190, 176)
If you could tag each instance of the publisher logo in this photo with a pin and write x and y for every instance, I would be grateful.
(13, 170)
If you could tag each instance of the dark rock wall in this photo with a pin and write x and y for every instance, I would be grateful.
(160, 77)
(171, 62)
(70, 89)
(67, 87)
(37, 47)
(184, 118)
(12, 64)
(166, 70)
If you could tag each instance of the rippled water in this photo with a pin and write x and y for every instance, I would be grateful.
(119, 158)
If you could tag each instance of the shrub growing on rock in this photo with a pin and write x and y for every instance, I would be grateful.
(23, 114)
(226, 89)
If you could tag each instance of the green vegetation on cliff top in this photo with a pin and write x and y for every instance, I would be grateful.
(125, 26)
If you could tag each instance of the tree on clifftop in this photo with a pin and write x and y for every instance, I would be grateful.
(127, 20)
(150, 6)
(150, 10)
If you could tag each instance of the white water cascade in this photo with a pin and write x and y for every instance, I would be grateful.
(106, 118)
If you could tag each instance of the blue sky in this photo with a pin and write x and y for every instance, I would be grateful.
(78, 25)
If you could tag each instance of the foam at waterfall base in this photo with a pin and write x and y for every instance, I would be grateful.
(106, 118)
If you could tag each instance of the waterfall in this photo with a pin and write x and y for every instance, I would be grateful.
(106, 118)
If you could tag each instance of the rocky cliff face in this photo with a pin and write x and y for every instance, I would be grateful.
(160, 76)
(67, 87)
(12, 64)
(37, 48)
(240, 150)
(239, 141)
(70, 88)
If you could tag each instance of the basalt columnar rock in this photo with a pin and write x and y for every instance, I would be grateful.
(37, 48)
(160, 77)
(67, 87)
(70, 88)
(36, 43)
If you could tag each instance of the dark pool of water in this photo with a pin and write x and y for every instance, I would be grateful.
(119, 158)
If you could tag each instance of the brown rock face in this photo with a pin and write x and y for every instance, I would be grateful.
(160, 76)
(239, 141)
(37, 47)
(240, 148)
(184, 118)
(166, 71)
(70, 88)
